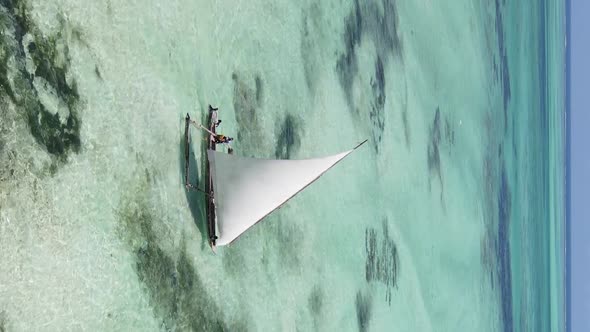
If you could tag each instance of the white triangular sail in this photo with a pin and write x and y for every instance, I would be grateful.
(246, 190)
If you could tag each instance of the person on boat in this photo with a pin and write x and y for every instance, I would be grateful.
(216, 138)
(222, 139)
(214, 109)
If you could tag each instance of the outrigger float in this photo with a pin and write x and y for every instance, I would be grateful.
(240, 191)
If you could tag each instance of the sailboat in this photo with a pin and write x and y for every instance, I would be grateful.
(241, 191)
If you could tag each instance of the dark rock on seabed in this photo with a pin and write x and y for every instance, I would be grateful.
(382, 262)
(177, 294)
(364, 310)
(58, 132)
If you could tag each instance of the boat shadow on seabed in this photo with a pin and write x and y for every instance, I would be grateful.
(193, 197)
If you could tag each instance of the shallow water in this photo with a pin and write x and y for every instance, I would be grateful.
(450, 218)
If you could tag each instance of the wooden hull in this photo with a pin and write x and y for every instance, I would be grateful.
(210, 200)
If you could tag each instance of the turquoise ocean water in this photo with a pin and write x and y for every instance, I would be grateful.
(451, 218)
